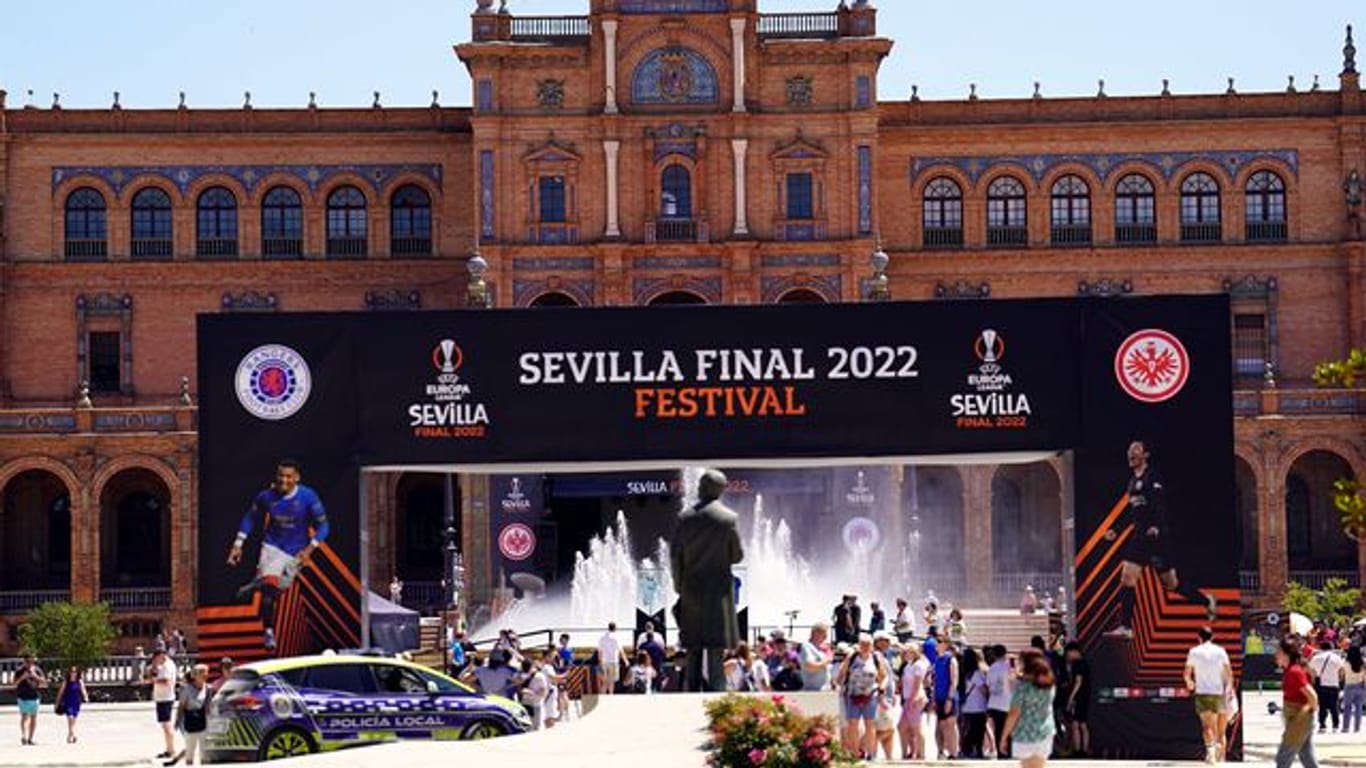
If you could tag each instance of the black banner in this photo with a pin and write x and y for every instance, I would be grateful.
(662, 387)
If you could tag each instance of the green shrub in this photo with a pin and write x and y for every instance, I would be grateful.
(68, 634)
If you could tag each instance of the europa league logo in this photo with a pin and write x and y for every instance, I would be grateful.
(990, 347)
(447, 357)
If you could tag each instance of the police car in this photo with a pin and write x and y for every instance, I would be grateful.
(296, 706)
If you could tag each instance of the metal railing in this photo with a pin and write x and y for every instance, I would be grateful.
(152, 249)
(675, 230)
(282, 247)
(1071, 234)
(1266, 231)
(86, 250)
(1317, 579)
(1001, 237)
(1250, 582)
(346, 247)
(23, 601)
(942, 237)
(423, 596)
(1211, 232)
(1012, 585)
(1135, 233)
(108, 671)
(215, 247)
(137, 598)
(533, 29)
(799, 25)
(411, 246)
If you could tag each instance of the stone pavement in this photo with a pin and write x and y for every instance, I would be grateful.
(620, 732)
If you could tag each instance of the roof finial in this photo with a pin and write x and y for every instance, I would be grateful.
(246, 99)
(1315, 87)
(1038, 93)
(56, 100)
(1290, 87)
(1166, 87)
(915, 92)
(116, 104)
(972, 91)
(1349, 54)
(1231, 90)
(436, 99)
(312, 99)
(376, 103)
(182, 100)
(1100, 92)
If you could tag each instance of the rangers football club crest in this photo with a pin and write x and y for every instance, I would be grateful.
(1152, 366)
(273, 382)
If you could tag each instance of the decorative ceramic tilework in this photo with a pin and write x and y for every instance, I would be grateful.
(37, 422)
(249, 176)
(646, 288)
(570, 263)
(962, 289)
(134, 422)
(678, 262)
(674, 75)
(393, 298)
(685, 148)
(774, 286)
(525, 291)
(800, 260)
(486, 209)
(1167, 164)
(1105, 287)
(250, 301)
(863, 87)
(865, 190)
(672, 6)
(1251, 285)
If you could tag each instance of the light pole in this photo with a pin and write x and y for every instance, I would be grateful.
(477, 294)
(878, 289)
(450, 564)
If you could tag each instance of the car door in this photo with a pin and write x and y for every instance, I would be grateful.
(405, 699)
(457, 705)
(342, 700)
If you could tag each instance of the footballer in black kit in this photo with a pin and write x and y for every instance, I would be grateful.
(1150, 543)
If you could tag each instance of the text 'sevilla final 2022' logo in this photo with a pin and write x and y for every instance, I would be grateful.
(273, 382)
(1152, 366)
(991, 404)
(446, 410)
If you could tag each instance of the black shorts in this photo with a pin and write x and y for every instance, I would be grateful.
(1145, 551)
(1079, 712)
(941, 708)
(164, 710)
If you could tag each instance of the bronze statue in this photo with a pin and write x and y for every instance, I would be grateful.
(705, 546)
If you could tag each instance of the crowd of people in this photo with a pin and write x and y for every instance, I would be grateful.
(1323, 678)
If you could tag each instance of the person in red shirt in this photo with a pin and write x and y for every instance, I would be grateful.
(1299, 701)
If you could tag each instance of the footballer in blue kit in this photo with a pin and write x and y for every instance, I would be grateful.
(293, 524)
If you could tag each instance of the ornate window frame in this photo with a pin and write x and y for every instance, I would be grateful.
(102, 312)
(555, 160)
(800, 156)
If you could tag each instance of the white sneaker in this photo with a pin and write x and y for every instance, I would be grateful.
(270, 639)
(1121, 632)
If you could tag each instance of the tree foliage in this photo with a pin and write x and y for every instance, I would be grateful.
(1335, 604)
(1342, 373)
(68, 633)
(1349, 496)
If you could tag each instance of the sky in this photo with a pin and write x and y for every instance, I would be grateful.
(280, 50)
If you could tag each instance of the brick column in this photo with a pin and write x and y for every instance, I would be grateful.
(1273, 559)
(85, 546)
(477, 544)
(977, 530)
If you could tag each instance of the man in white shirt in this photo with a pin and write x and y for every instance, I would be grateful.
(1327, 667)
(1209, 676)
(161, 673)
(609, 661)
(648, 635)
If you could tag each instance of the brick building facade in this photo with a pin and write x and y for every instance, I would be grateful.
(652, 151)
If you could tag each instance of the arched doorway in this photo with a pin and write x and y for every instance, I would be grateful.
(1026, 529)
(1249, 526)
(554, 299)
(1318, 548)
(676, 297)
(135, 534)
(35, 533)
(419, 537)
(801, 296)
(932, 507)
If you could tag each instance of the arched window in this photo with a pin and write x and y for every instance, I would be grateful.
(675, 206)
(1200, 209)
(801, 296)
(1135, 210)
(410, 222)
(346, 223)
(282, 224)
(152, 224)
(1007, 224)
(86, 229)
(554, 299)
(216, 223)
(942, 214)
(1265, 207)
(1071, 211)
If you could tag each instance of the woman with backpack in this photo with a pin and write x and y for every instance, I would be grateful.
(1030, 727)
(861, 680)
(69, 701)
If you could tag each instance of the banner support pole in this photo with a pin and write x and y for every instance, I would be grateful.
(364, 509)
(1068, 502)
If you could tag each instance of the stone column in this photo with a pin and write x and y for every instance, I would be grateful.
(737, 38)
(609, 33)
(740, 148)
(612, 149)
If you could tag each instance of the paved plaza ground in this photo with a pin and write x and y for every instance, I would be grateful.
(620, 732)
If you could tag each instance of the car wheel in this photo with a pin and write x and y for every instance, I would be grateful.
(484, 729)
(286, 742)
